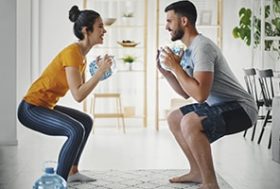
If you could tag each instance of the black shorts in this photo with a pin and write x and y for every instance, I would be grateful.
(221, 119)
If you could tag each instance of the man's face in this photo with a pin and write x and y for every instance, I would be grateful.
(173, 25)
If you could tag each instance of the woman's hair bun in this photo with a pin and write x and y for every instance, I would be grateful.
(74, 13)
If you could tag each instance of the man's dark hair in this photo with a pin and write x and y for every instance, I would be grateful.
(184, 8)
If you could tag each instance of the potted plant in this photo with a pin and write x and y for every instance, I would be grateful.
(128, 14)
(272, 27)
(127, 18)
(129, 59)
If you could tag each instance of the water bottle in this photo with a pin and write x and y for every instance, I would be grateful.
(176, 50)
(50, 180)
(93, 67)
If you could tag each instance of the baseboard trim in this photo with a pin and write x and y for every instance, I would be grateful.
(9, 143)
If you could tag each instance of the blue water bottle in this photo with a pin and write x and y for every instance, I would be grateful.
(50, 180)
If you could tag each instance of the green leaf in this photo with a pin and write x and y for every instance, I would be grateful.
(276, 23)
(235, 32)
(267, 45)
(248, 13)
(248, 42)
(128, 59)
(267, 11)
(276, 6)
(268, 29)
(242, 11)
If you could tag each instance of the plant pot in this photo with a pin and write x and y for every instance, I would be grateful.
(127, 20)
(130, 66)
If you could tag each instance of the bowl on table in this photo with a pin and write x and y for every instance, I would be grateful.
(109, 21)
(127, 43)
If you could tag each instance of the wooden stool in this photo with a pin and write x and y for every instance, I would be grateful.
(118, 114)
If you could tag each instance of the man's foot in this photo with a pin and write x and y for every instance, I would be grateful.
(187, 178)
(78, 177)
(209, 186)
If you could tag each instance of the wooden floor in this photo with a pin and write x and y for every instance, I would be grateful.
(242, 163)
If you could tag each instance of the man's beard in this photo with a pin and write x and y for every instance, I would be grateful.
(178, 34)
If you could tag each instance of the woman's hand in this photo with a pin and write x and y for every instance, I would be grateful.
(105, 63)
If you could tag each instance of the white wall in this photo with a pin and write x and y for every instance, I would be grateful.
(235, 50)
(43, 30)
(55, 32)
(8, 135)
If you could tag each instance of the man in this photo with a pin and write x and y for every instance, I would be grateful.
(223, 106)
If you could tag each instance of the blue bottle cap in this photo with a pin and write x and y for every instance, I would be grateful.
(49, 170)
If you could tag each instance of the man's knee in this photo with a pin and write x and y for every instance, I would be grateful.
(191, 124)
(173, 119)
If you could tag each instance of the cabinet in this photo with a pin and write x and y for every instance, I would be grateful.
(276, 129)
(266, 14)
(209, 23)
(130, 81)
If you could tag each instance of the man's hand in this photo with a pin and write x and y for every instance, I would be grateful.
(164, 72)
(170, 59)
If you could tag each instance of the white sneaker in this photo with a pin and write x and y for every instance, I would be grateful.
(78, 177)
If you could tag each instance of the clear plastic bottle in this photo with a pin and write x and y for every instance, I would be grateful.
(93, 67)
(176, 50)
(50, 180)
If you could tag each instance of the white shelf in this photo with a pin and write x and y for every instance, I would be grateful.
(134, 29)
(276, 38)
(124, 26)
(131, 71)
(264, 59)
(120, 47)
(199, 26)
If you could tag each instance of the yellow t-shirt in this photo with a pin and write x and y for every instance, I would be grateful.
(52, 84)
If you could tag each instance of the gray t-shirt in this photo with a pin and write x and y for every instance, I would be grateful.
(204, 55)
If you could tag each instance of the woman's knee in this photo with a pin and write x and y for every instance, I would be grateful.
(82, 129)
(88, 123)
(76, 131)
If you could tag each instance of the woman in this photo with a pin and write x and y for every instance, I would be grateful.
(38, 110)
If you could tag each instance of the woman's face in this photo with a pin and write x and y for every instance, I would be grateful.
(96, 37)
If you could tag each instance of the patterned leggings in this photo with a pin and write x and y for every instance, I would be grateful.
(60, 121)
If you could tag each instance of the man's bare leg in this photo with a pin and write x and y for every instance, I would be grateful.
(194, 175)
(200, 149)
